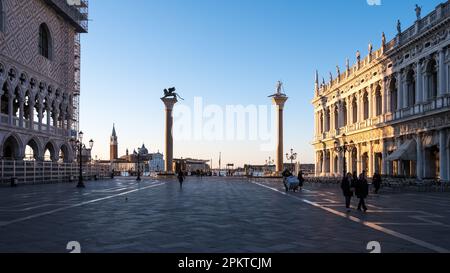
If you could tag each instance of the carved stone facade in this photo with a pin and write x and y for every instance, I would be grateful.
(39, 52)
(391, 110)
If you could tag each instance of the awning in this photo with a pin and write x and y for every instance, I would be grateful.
(407, 151)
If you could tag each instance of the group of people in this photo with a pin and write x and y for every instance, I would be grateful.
(353, 185)
(301, 180)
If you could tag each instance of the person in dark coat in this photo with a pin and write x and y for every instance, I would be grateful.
(181, 178)
(376, 182)
(362, 191)
(301, 180)
(347, 190)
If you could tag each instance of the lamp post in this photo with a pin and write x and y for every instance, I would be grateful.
(269, 163)
(343, 149)
(138, 154)
(79, 146)
(291, 157)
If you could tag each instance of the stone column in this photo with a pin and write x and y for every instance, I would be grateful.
(399, 162)
(21, 112)
(442, 74)
(443, 155)
(358, 160)
(31, 114)
(48, 119)
(419, 162)
(40, 116)
(383, 158)
(279, 101)
(169, 104)
(370, 168)
(10, 109)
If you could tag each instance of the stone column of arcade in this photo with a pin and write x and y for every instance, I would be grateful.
(169, 104)
(279, 99)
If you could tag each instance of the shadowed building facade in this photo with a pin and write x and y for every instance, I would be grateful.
(39, 78)
(391, 108)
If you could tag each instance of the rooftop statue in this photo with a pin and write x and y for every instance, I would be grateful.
(418, 11)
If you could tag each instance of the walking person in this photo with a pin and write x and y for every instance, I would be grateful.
(181, 178)
(347, 190)
(301, 180)
(377, 182)
(362, 191)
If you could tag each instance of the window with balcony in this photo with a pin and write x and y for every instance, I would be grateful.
(45, 42)
(321, 129)
(432, 79)
(411, 88)
(355, 111)
(378, 102)
(336, 118)
(344, 113)
(327, 120)
(393, 92)
(366, 105)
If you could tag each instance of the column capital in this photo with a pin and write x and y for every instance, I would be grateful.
(169, 102)
(279, 101)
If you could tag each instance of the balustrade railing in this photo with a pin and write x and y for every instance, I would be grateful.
(35, 172)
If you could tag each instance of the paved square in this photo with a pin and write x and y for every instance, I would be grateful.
(216, 215)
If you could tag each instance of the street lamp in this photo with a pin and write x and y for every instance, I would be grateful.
(269, 163)
(79, 146)
(343, 149)
(138, 154)
(291, 157)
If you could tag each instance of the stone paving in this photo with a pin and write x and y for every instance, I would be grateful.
(216, 215)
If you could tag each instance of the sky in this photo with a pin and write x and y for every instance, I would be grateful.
(226, 52)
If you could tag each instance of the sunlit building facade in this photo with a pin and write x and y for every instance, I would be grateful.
(390, 110)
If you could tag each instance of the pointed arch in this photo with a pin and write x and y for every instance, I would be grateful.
(33, 149)
(65, 154)
(12, 147)
(50, 151)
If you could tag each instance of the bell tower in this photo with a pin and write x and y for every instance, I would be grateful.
(113, 146)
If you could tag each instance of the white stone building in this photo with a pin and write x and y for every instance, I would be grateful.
(39, 78)
(390, 110)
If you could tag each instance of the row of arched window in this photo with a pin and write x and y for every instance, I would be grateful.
(45, 45)
(343, 110)
(431, 85)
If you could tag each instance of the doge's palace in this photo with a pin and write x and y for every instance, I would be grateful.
(40, 78)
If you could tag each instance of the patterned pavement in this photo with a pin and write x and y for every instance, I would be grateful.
(216, 215)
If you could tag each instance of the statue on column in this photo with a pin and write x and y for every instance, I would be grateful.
(279, 92)
(370, 48)
(171, 93)
(383, 39)
(358, 56)
(418, 12)
(338, 70)
(347, 64)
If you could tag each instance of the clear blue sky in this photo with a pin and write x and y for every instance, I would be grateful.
(228, 52)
